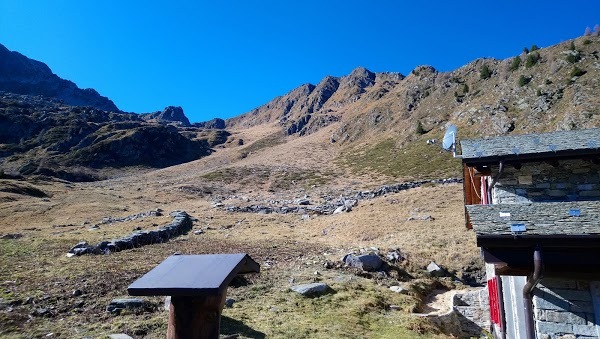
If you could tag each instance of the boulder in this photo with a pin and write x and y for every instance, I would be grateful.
(309, 290)
(366, 262)
(119, 336)
(131, 304)
(81, 248)
(399, 289)
(435, 271)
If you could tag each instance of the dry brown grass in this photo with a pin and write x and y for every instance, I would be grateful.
(294, 247)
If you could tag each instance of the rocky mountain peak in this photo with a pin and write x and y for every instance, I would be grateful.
(169, 115)
(360, 77)
(22, 75)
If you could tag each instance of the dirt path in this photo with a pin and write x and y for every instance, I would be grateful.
(439, 302)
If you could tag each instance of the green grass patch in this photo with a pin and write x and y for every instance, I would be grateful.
(356, 309)
(271, 140)
(415, 160)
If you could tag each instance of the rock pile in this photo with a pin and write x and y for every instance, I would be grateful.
(332, 205)
(181, 224)
(154, 213)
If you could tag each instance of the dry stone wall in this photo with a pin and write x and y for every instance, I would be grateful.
(181, 224)
(564, 308)
(571, 180)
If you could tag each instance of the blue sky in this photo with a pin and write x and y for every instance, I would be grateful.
(223, 58)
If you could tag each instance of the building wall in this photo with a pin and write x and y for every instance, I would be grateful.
(565, 309)
(572, 180)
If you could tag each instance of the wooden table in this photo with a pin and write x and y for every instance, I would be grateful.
(197, 285)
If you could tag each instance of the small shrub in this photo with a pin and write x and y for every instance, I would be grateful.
(532, 59)
(587, 41)
(534, 48)
(539, 92)
(573, 57)
(420, 130)
(515, 64)
(572, 46)
(525, 50)
(577, 72)
(485, 72)
(524, 80)
(548, 82)
(465, 88)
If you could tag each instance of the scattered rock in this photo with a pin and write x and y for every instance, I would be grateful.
(309, 290)
(167, 305)
(303, 202)
(435, 270)
(119, 336)
(421, 217)
(332, 205)
(366, 262)
(134, 304)
(40, 312)
(399, 289)
(77, 293)
(198, 232)
(342, 209)
(229, 302)
(11, 236)
(394, 256)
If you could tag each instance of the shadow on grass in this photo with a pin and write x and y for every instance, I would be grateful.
(231, 326)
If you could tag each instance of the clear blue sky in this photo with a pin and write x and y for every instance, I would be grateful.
(223, 58)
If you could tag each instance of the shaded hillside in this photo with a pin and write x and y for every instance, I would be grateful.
(43, 136)
(546, 89)
(21, 75)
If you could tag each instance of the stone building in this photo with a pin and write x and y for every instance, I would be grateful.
(534, 203)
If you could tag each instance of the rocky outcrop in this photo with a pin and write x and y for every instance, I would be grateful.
(21, 75)
(332, 205)
(43, 136)
(215, 123)
(309, 108)
(169, 115)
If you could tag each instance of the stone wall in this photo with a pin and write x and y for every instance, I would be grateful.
(572, 180)
(564, 309)
(473, 311)
(181, 224)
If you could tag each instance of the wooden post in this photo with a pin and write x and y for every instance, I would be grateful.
(195, 317)
(197, 285)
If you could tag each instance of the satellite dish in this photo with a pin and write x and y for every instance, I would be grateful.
(450, 138)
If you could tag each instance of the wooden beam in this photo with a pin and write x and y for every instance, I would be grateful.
(197, 317)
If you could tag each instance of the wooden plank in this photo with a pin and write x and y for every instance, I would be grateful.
(193, 275)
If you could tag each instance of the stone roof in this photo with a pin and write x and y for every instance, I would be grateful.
(540, 219)
(527, 146)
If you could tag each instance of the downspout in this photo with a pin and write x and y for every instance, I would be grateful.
(495, 180)
(538, 270)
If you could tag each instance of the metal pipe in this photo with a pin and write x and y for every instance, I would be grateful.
(538, 271)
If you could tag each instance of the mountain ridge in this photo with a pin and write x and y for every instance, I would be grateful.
(22, 75)
(514, 94)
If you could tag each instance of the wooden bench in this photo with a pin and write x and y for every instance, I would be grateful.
(197, 285)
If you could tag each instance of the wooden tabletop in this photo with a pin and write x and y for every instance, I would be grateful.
(193, 275)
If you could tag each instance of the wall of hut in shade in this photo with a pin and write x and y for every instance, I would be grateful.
(533, 202)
